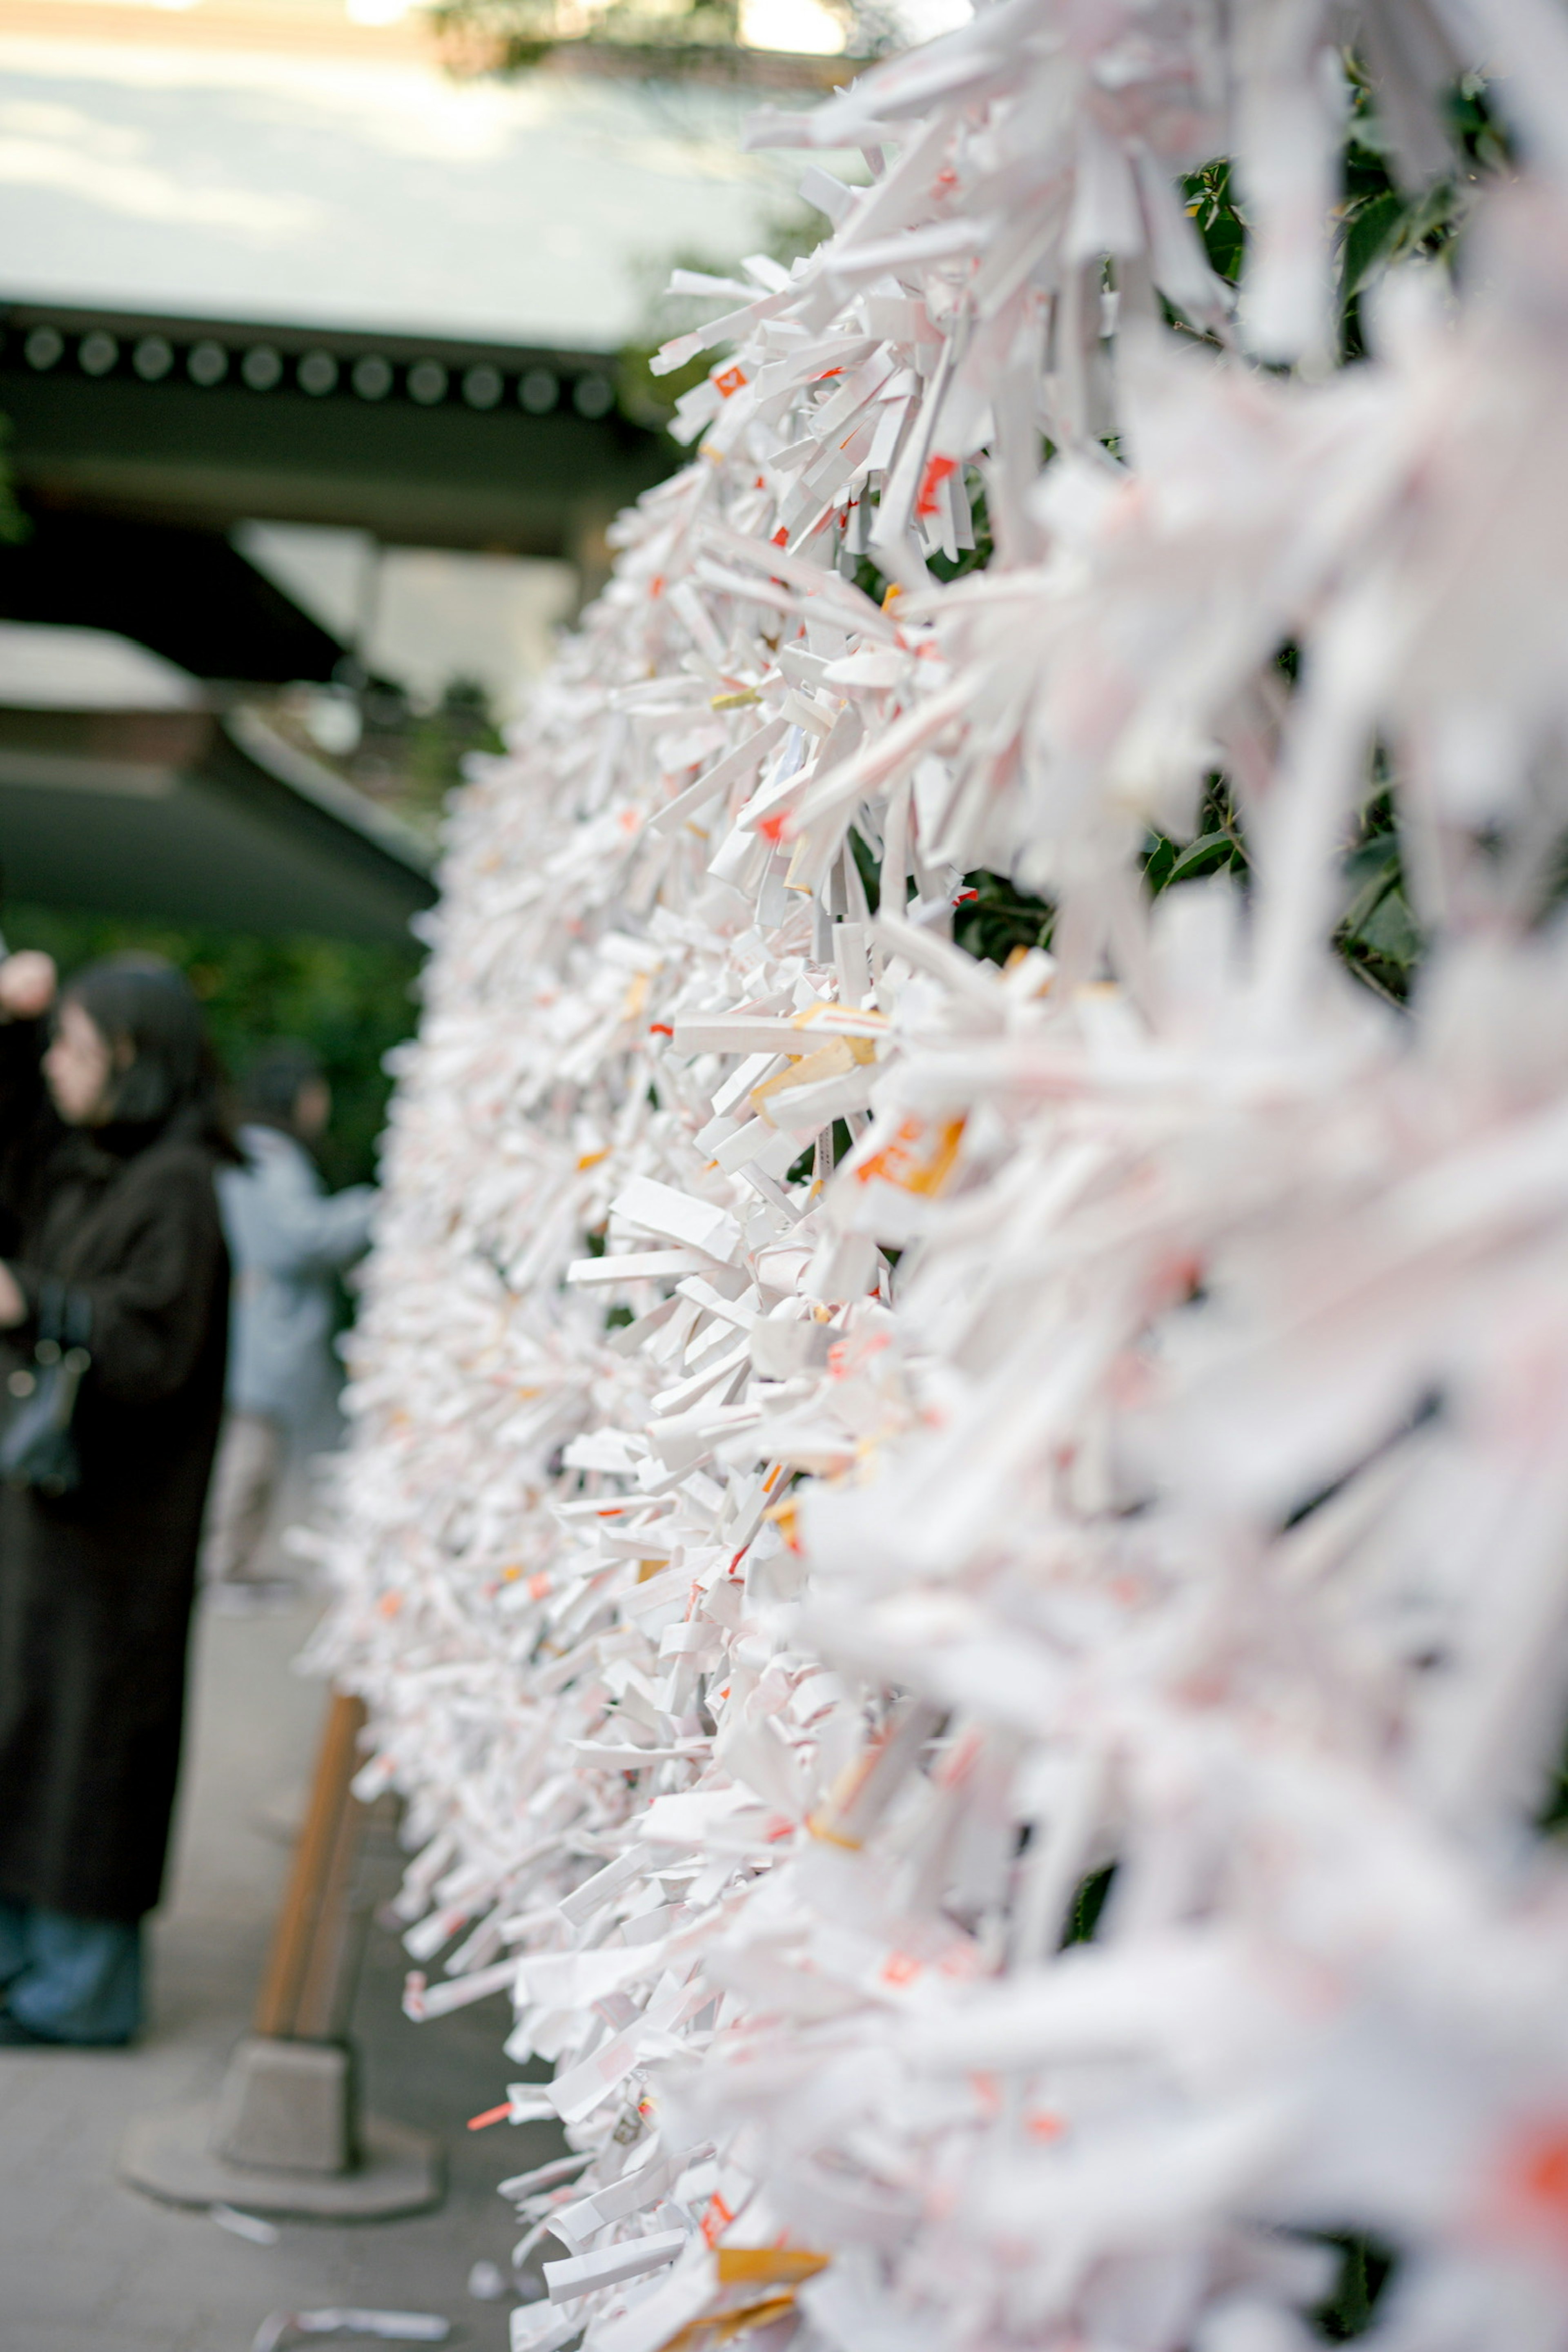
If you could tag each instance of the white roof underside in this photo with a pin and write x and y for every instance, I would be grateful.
(46, 669)
(303, 189)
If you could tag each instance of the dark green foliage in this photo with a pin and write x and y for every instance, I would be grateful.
(351, 1003)
(1377, 934)
(1366, 2267)
(14, 524)
(870, 870)
(993, 918)
(969, 559)
(1553, 1818)
(1087, 1906)
(868, 580)
(1481, 139)
(1169, 862)
(1379, 221)
(799, 1170)
(437, 742)
(1216, 848)
(1214, 209)
(650, 39)
(519, 34)
(410, 759)
(1382, 222)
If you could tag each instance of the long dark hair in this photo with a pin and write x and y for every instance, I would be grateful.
(173, 1072)
(270, 1090)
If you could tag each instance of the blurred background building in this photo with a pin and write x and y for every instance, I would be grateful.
(324, 369)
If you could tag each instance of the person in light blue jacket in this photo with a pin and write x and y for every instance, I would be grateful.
(288, 1239)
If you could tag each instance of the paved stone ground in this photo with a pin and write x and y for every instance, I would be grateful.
(87, 2264)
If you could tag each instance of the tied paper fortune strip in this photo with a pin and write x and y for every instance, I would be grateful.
(964, 1571)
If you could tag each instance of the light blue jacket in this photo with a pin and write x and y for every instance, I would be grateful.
(287, 1238)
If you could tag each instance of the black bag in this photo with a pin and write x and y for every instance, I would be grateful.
(37, 1446)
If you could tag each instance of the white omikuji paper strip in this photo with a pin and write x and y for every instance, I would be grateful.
(1150, 1446)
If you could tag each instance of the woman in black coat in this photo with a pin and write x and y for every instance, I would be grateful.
(109, 1135)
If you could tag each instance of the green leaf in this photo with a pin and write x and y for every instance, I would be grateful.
(1157, 865)
(1372, 871)
(1389, 930)
(1207, 854)
(1370, 236)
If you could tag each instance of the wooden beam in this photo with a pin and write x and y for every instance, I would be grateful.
(298, 2001)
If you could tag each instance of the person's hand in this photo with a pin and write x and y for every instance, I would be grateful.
(13, 1306)
(26, 985)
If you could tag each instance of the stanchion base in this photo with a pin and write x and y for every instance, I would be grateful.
(170, 2156)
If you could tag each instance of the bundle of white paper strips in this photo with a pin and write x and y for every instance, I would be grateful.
(1149, 1448)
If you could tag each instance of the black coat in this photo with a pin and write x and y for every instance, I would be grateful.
(96, 1587)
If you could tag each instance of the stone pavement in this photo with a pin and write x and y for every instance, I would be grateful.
(87, 2264)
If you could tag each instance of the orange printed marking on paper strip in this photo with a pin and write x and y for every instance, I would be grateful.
(717, 2218)
(1529, 2198)
(917, 1159)
(729, 382)
(936, 473)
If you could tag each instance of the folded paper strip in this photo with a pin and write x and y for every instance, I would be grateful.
(1144, 1449)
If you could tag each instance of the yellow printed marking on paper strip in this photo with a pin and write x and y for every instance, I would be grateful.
(766, 2265)
(725, 2326)
(834, 1061)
